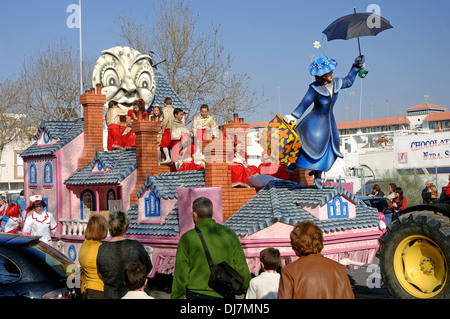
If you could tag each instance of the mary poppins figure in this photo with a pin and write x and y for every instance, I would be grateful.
(317, 131)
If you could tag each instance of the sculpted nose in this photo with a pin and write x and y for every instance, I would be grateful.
(128, 84)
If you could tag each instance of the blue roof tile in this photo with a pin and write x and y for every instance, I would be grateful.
(163, 90)
(278, 202)
(165, 185)
(62, 130)
(117, 165)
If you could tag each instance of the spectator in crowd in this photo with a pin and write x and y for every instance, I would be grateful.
(376, 191)
(191, 266)
(391, 195)
(445, 195)
(135, 277)
(265, 286)
(426, 194)
(91, 283)
(115, 254)
(312, 276)
(399, 203)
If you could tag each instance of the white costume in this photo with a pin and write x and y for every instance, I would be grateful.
(14, 222)
(42, 224)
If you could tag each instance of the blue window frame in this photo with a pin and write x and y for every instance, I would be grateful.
(337, 208)
(87, 199)
(46, 137)
(33, 174)
(48, 173)
(45, 199)
(152, 205)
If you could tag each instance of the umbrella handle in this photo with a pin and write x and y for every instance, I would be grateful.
(359, 47)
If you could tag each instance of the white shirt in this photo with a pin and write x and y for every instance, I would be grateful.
(42, 224)
(137, 294)
(265, 286)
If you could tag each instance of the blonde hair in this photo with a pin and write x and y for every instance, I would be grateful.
(97, 228)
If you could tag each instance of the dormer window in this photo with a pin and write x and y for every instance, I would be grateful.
(98, 167)
(338, 208)
(46, 137)
(152, 205)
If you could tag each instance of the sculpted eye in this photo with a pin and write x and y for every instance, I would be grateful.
(143, 80)
(110, 78)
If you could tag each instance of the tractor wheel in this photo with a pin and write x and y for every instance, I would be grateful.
(415, 256)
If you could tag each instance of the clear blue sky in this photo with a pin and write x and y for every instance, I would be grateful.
(272, 41)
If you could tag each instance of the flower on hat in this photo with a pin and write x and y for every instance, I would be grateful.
(322, 65)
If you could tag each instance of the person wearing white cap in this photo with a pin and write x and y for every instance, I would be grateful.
(40, 222)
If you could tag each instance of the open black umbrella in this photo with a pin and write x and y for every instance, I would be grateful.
(356, 25)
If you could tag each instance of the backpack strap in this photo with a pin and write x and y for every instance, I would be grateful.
(208, 255)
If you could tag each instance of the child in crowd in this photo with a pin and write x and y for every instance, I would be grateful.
(135, 277)
(127, 138)
(265, 286)
(166, 124)
(112, 118)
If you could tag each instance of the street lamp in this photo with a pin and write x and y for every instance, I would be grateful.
(3, 164)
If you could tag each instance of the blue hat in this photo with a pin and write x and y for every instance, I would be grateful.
(322, 65)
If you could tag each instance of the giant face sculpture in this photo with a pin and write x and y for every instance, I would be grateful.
(126, 75)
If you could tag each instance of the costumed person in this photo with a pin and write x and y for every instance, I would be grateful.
(268, 167)
(189, 159)
(40, 222)
(112, 119)
(238, 168)
(203, 127)
(179, 134)
(15, 220)
(317, 131)
(166, 124)
(3, 217)
(138, 113)
(157, 115)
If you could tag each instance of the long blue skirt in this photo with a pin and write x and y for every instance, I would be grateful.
(323, 164)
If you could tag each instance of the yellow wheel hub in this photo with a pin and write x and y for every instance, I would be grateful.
(420, 266)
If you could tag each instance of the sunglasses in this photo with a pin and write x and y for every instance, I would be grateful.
(39, 205)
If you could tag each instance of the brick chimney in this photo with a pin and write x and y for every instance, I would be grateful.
(218, 155)
(302, 176)
(92, 102)
(146, 153)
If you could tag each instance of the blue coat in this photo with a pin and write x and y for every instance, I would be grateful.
(317, 131)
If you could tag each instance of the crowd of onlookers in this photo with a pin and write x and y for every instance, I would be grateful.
(398, 201)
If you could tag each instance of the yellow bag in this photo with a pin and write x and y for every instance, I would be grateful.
(280, 141)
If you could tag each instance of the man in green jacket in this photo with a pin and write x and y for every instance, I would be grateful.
(191, 266)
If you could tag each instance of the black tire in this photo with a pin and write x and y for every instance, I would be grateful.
(414, 256)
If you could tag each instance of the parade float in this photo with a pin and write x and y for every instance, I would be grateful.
(70, 168)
